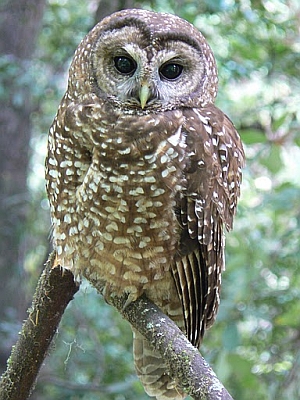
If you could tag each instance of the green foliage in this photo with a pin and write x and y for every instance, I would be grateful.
(254, 345)
(65, 24)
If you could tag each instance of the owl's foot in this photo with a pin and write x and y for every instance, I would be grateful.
(108, 291)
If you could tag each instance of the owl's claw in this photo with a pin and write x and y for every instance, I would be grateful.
(131, 297)
(56, 262)
(108, 292)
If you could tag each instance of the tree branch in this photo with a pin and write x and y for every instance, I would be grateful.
(186, 365)
(55, 289)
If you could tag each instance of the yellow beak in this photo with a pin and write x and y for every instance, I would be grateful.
(144, 94)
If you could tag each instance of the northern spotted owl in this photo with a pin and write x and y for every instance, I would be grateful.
(143, 174)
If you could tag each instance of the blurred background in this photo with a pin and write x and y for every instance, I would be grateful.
(254, 346)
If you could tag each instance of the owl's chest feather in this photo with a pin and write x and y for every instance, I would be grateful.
(114, 218)
(126, 220)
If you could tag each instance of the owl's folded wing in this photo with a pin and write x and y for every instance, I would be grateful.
(213, 176)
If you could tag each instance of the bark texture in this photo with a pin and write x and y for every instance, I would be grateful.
(186, 364)
(54, 291)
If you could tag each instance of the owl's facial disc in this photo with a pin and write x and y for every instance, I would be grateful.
(137, 71)
(142, 81)
(148, 78)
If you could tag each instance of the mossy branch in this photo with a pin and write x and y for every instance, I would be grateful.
(55, 289)
(186, 365)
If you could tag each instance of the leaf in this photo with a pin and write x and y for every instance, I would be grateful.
(273, 160)
(277, 123)
(289, 318)
(251, 136)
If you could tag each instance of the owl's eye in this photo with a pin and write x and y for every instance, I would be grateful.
(171, 71)
(125, 65)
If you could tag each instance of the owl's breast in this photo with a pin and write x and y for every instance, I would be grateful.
(127, 229)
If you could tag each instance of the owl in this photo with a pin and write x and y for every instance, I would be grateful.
(143, 174)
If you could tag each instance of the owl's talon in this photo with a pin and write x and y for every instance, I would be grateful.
(106, 292)
(129, 300)
(56, 262)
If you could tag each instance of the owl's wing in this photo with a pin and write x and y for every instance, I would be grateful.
(213, 174)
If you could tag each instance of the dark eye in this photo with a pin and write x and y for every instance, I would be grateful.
(125, 65)
(171, 70)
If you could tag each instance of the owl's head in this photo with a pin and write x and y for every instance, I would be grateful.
(142, 60)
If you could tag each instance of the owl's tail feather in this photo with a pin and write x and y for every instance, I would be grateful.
(152, 371)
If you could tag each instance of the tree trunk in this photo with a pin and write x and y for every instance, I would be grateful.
(20, 22)
(107, 7)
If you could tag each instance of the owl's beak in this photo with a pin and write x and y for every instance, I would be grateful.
(144, 94)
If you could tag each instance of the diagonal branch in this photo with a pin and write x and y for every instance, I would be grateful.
(186, 364)
(55, 290)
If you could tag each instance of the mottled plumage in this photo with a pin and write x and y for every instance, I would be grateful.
(143, 174)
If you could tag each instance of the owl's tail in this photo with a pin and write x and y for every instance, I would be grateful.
(152, 371)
